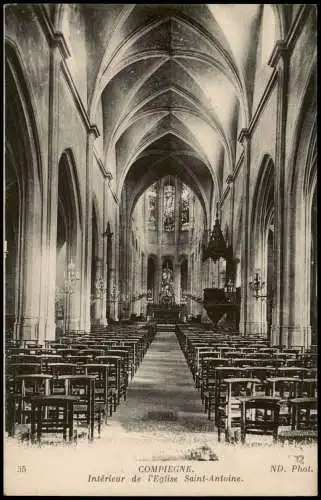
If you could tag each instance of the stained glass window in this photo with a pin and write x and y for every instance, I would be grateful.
(152, 206)
(169, 207)
(184, 212)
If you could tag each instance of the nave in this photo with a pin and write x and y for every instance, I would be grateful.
(160, 168)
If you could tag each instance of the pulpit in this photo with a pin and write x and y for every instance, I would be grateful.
(219, 303)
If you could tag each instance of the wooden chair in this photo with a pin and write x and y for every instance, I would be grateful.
(303, 413)
(228, 411)
(308, 387)
(115, 382)
(208, 381)
(103, 394)
(304, 425)
(57, 369)
(52, 414)
(25, 386)
(86, 410)
(260, 415)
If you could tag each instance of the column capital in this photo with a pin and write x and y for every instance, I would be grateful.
(280, 53)
(244, 134)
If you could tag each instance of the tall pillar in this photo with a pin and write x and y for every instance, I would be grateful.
(177, 280)
(27, 320)
(281, 331)
(73, 278)
(118, 258)
(160, 222)
(143, 309)
(48, 330)
(98, 313)
(157, 274)
(85, 319)
(245, 141)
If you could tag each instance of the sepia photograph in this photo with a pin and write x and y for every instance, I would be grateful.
(160, 250)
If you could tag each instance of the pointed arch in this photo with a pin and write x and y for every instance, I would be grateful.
(300, 200)
(23, 168)
(68, 164)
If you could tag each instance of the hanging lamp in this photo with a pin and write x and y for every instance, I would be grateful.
(216, 247)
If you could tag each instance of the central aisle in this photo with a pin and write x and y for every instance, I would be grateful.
(162, 396)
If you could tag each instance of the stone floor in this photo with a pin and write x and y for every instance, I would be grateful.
(162, 397)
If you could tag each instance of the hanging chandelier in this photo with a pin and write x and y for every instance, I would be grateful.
(216, 247)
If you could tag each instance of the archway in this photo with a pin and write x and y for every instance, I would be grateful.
(260, 310)
(301, 293)
(23, 204)
(270, 281)
(184, 275)
(68, 244)
(151, 282)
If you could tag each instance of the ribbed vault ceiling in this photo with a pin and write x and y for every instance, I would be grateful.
(175, 83)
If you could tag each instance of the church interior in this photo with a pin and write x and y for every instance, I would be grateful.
(160, 236)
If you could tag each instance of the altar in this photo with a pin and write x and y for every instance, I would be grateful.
(166, 310)
(167, 313)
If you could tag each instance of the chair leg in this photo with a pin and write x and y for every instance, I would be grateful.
(33, 423)
(71, 423)
(209, 414)
(99, 422)
(39, 423)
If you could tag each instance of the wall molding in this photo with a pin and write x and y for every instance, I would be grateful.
(57, 39)
(225, 195)
(107, 175)
(91, 128)
(281, 48)
(297, 25)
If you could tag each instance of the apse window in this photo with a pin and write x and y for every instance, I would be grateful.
(169, 207)
(152, 207)
(184, 214)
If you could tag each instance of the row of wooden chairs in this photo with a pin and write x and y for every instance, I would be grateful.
(79, 379)
(237, 374)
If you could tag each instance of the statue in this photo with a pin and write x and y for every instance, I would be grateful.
(167, 295)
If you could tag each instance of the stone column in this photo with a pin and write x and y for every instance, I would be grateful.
(48, 328)
(160, 237)
(73, 298)
(99, 316)
(144, 285)
(245, 141)
(27, 320)
(122, 259)
(116, 267)
(280, 329)
(85, 284)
